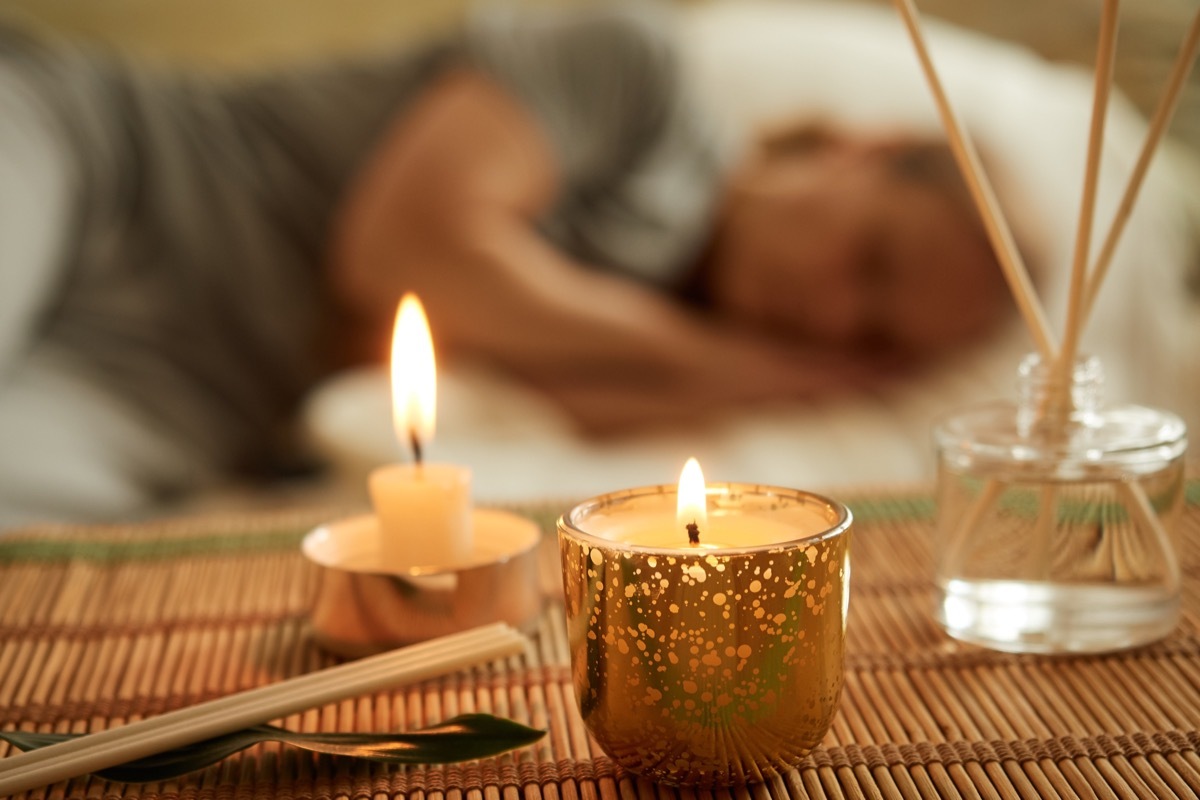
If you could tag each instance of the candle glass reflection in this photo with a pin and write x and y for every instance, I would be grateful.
(707, 666)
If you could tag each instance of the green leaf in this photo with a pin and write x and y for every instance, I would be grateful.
(462, 738)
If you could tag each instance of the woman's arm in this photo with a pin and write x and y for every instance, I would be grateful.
(446, 208)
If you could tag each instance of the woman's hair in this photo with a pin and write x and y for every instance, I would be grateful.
(922, 160)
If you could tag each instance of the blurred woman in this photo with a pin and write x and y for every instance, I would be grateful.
(183, 258)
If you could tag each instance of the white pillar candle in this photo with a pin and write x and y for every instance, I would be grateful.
(424, 513)
(424, 510)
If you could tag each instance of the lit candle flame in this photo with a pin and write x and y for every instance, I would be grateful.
(414, 376)
(691, 507)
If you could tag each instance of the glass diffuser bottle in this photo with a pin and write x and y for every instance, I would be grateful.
(1058, 517)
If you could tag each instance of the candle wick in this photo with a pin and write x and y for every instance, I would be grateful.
(693, 532)
(415, 441)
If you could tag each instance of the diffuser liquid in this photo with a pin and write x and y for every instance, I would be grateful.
(1047, 617)
(1045, 566)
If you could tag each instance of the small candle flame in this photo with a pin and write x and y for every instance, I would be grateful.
(691, 507)
(414, 375)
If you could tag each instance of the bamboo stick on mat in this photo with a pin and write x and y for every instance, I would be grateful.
(191, 724)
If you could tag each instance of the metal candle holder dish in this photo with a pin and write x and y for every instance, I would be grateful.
(362, 607)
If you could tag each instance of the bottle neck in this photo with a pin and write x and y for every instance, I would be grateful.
(1049, 398)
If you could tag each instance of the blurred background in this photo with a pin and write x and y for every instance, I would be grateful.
(236, 33)
(1029, 103)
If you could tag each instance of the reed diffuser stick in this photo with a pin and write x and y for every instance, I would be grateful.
(1137, 502)
(1105, 56)
(1044, 531)
(1058, 400)
(1159, 123)
(1084, 289)
(958, 547)
(1015, 271)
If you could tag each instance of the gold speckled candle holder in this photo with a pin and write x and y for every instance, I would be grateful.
(707, 667)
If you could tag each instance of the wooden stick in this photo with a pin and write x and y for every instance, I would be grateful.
(957, 549)
(1137, 502)
(233, 712)
(1044, 529)
(994, 222)
(1105, 56)
(1159, 124)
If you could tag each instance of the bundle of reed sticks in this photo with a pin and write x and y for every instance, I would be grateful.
(1085, 279)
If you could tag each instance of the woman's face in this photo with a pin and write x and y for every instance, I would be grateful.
(836, 244)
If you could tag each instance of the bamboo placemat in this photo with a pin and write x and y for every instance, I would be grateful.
(104, 625)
